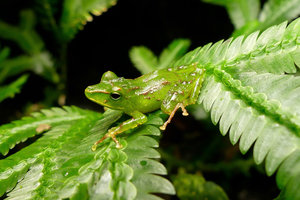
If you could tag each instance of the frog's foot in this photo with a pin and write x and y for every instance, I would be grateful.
(184, 113)
(111, 135)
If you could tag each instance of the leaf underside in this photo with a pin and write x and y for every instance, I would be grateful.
(250, 90)
(60, 164)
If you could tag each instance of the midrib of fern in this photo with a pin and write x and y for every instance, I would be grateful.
(258, 101)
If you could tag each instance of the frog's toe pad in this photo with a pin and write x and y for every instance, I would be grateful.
(94, 147)
(185, 114)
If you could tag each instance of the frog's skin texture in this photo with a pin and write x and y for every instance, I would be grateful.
(166, 89)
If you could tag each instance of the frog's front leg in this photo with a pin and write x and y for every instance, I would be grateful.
(137, 119)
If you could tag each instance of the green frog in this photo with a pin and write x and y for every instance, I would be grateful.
(166, 89)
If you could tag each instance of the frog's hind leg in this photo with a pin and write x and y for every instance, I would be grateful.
(196, 85)
(175, 99)
(184, 113)
(182, 94)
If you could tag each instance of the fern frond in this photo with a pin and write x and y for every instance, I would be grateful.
(24, 34)
(36, 60)
(256, 107)
(13, 88)
(77, 12)
(274, 51)
(240, 12)
(277, 11)
(19, 131)
(253, 114)
(144, 167)
(47, 10)
(40, 63)
(174, 51)
(61, 164)
(143, 59)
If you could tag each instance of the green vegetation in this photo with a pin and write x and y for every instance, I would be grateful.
(251, 91)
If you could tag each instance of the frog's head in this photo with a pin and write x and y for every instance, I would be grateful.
(110, 92)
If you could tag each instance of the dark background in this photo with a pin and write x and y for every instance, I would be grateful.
(103, 45)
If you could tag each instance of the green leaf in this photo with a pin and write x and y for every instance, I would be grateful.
(48, 10)
(250, 90)
(76, 13)
(174, 51)
(62, 165)
(241, 12)
(4, 53)
(36, 59)
(143, 59)
(24, 34)
(40, 63)
(194, 186)
(9, 91)
(277, 11)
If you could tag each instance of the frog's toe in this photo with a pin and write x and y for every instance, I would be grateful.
(94, 147)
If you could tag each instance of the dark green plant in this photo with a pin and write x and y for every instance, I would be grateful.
(191, 186)
(36, 57)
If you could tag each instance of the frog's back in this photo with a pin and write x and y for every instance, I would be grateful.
(151, 89)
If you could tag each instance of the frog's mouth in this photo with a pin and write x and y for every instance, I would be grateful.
(90, 93)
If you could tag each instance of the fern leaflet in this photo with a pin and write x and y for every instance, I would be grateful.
(77, 12)
(13, 88)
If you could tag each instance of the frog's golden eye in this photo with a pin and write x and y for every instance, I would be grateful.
(115, 95)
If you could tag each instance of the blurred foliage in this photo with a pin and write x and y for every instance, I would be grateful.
(247, 16)
(145, 60)
(194, 186)
(36, 57)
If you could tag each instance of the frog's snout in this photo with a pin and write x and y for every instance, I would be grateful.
(88, 91)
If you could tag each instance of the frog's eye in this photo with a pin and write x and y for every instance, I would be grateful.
(115, 95)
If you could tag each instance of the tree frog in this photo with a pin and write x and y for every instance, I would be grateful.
(166, 89)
